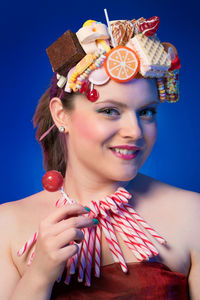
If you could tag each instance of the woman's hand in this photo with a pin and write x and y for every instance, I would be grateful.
(53, 247)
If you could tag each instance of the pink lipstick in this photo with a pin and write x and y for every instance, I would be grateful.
(125, 151)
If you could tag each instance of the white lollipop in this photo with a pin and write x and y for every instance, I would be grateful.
(98, 76)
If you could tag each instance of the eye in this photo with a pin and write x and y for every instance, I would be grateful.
(109, 111)
(148, 113)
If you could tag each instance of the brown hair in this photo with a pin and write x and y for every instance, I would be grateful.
(54, 151)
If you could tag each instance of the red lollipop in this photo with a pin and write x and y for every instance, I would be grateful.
(52, 181)
(92, 95)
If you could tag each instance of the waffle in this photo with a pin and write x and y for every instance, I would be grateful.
(154, 60)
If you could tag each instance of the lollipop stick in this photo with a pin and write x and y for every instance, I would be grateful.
(110, 30)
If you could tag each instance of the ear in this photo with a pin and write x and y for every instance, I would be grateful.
(58, 113)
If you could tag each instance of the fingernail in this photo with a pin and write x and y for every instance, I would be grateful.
(96, 221)
(87, 208)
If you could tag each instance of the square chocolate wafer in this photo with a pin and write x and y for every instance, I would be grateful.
(65, 53)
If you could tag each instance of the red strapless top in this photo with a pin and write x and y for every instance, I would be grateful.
(144, 281)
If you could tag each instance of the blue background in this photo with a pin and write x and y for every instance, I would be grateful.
(28, 28)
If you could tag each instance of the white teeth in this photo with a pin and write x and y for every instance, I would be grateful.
(124, 151)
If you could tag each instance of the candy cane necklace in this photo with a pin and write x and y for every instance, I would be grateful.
(114, 215)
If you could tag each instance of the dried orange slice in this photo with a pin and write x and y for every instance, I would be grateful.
(121, 64)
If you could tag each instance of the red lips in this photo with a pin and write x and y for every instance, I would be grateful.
(128, 147)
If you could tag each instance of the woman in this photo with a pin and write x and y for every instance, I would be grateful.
(118, 115)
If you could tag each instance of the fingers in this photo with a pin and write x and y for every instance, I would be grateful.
(76, 222)
(72, 234)
(66, 211)
(68, 251)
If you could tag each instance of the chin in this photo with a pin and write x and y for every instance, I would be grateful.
(124, 176)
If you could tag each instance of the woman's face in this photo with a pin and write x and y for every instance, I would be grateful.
(123, 115)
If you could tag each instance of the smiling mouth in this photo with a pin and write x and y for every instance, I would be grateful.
(125, 153)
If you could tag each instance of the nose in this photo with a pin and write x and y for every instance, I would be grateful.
(131, 127)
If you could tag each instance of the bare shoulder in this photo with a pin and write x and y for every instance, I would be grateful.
(146, 185)
(15, 214)
(181, 204)
(12, 209)
(35, 203)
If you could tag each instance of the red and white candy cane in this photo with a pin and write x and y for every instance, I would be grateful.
(89, 257)
(71, 267)
(75, 260)
(124, 192)
(141, 220)
(133, 236)
(130, 226)
(94, 205)
(116, 245)
(68, 274)
(123, 195)
(111, 204)
(97, 251)
(139, 231)
(83, 254)
(148, 227)
(28, 244)
(127, 228)
(31, 258)
(108, 237)
(126, 240)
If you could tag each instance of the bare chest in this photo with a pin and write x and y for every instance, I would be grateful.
(174, 254)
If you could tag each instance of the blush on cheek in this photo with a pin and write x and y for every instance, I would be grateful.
(85, 127)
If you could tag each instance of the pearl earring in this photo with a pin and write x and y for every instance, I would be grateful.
(61, 129)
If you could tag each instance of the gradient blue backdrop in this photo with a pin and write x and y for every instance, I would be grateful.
(28, 28)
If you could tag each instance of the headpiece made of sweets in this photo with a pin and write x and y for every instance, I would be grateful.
(120, 51)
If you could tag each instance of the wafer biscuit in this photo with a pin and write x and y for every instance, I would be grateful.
(154, 60)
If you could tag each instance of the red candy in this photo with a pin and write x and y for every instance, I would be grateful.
(149, 27)
(175, 64)
(52, 181)
(84, 87)
(92, 95)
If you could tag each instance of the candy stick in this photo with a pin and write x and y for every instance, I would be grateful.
(126, 240)
(94, 205)
(127, 224)
(130, 237)
(61, 202)
(130, 233)
(140, 219)
(153, 232)
(83, 254)
(110, 30)
(108, 238)
(89, 258)
(28, 244)
(116, 245)
(75, 260)
(97, 250)
(125, 192)
(110, 203)
(139, 231)
(68, 275)
(71, 268)
(31, 258)
(66, 197)
(121, 197)
(135, 225)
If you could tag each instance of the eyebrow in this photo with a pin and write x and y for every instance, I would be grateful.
(120, 104)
